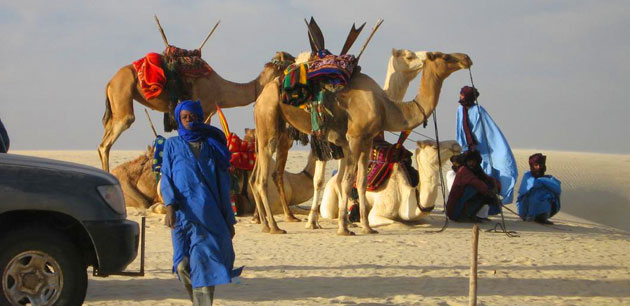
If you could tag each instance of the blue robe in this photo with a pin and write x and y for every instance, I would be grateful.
(538, 196)
(201, 189)
(493, 147)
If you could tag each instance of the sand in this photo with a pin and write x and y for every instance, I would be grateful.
(575, 262)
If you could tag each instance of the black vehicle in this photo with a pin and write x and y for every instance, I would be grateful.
(56, 219)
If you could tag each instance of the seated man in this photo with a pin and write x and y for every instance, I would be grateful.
(539, 195)
(472, 190)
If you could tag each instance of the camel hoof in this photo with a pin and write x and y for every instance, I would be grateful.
(277, 231)
(265, 229)
(368, 231)
(313, 225)
(293, 219)
(345, 232)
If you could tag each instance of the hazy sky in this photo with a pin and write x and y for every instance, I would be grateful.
(551, 73)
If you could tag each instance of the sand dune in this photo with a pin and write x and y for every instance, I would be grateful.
(575, 262)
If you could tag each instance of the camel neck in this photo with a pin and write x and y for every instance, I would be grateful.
(408, 115)
(235, 94)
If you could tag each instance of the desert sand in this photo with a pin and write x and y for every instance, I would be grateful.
(584, 259)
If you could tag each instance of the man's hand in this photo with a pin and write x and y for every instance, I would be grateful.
(232, 231)
(170, 219)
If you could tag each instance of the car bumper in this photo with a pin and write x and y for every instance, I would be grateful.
(115, 243)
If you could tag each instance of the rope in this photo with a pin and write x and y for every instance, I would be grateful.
(504, 230)
(443, 188)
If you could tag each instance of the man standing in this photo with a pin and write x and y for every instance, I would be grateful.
(539, 194)
(195, 187)
(472, 190)
(477, 131)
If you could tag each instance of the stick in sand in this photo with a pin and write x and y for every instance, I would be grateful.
(209, 34)
(161, 31)
(378, 24)
(472, 290)
(151, 123)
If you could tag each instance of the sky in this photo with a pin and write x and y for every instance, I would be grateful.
(552, 74)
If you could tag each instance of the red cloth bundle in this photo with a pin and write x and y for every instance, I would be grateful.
(150, 75)
(243, 152)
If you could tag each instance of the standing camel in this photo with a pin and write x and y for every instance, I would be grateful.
(361, 111)
(212, 90)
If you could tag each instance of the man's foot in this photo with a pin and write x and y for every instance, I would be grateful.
(544, 221)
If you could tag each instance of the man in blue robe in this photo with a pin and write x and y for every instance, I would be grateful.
(539, 195)
(195, 187)
(477, 131)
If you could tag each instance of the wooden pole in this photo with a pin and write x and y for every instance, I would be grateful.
(161, 31)
(209, 34)
(472, 290)
(378, 24)
(151, 123)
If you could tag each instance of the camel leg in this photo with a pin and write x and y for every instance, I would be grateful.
(376, 220)
(259, 213)
(262, 183)
(282, 153)
(360, 151)
(318, 185)
(345, 179)
(121, 118)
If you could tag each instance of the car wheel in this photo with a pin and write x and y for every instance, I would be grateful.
(40, 266)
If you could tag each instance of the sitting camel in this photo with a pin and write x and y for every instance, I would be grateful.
(396, 200)
(138, 181)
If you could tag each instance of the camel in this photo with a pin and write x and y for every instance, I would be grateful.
(137, 180)
(213, 90)
(396, 200)
(361, 110)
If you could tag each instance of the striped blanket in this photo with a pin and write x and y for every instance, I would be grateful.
(384, 156)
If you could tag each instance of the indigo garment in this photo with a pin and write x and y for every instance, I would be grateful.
(200, 189)
(538, 196)
(498, 160)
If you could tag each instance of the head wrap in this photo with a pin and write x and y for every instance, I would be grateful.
(200, 131)
(472, 155)
(457, 161)
(540, 159)
(469, 96)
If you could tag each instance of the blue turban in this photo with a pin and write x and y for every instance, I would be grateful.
(199, 131)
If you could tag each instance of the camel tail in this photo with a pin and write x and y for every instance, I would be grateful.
(108, 108)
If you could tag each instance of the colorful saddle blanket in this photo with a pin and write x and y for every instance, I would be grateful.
(331, 69)
(243, 153)
(384, 156)
(187, 63)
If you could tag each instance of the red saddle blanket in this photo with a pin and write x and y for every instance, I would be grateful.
(243, 153)
(150, 75)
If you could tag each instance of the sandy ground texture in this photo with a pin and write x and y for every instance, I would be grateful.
(574, 262)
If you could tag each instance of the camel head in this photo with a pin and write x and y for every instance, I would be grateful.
(443, 64)
(275, 67)
(427, 153)
(250, 135)
(407, 62)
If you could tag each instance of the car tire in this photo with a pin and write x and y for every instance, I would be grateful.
(28, 263)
